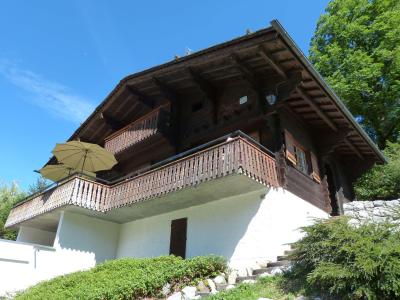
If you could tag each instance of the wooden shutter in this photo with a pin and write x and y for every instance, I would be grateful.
(315, 169)
(289, 143)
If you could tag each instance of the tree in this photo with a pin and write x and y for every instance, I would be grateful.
(40, 184)
(382, 181)
(9, 195)
(356, 47)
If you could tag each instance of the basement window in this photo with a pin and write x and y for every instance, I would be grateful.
(197, 106)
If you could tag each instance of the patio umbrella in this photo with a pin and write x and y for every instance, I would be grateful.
(59, 171)
(84, 157)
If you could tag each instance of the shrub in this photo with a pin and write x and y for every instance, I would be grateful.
(342, 261)
(382, 181)
(267, 287)
(127, 278)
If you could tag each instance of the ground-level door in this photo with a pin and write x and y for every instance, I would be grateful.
(178, 237)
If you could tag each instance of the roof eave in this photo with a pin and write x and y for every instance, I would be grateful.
(300, 55)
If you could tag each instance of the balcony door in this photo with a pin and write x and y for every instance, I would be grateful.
(177, 244)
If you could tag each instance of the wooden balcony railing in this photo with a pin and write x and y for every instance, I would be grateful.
(139, 130)
(76, 191)
(234, 156)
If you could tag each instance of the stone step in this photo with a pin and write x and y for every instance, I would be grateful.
(282, 257)
(260, 271)
(203, 294)
(288, 252)
(242, 278)
(221, 287)
(281, 263)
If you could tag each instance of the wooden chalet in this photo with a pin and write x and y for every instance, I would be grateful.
(250, 114)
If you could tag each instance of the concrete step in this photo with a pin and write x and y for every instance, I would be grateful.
(281, 263)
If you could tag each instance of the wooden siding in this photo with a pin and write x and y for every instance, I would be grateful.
(308, 189)
(234, 156)
(139, 130)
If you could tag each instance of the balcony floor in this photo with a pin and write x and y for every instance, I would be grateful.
(232, 185)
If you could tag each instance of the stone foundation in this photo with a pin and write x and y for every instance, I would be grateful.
(378, 210)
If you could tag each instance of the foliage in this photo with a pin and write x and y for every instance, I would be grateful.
(40, 184)
(127, 278)
(343, 261)
(268, 287)
(356, 47)
(9, 195)
(381, 181)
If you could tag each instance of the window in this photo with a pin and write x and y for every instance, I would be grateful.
(304, 160)
(301, 160)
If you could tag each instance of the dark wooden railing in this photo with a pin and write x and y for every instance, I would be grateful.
(236, 155)
(137, 131)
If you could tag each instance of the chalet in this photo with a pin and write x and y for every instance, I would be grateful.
(225, 151)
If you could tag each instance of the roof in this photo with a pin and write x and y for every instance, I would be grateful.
(209, 63)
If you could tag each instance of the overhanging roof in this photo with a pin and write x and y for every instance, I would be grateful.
(323, 107)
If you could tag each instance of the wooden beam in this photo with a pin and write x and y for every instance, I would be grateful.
(271, 61)
(285, 89)
(148, 101)
(329, 139)
(205, 87)
(354, 148)
(208, 89)
(109, 121)
(319, 112)
(246, 71)
(167, 91)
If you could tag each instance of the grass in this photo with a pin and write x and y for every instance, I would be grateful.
(268, 287)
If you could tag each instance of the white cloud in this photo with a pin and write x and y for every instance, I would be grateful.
(57, 99)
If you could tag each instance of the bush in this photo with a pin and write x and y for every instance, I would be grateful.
(127, 278)
(382, 181)
(339, 260)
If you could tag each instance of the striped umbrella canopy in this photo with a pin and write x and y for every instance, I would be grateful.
(84, 157)
(59, 171)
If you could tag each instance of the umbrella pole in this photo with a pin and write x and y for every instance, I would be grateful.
(84, 160)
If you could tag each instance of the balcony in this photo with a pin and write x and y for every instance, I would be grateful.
(146, 127)
(230, 166)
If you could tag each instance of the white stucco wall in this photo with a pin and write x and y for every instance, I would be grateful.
(21, 265)
(84, 241)
(36, 236)
(245, 229)
(80, 243)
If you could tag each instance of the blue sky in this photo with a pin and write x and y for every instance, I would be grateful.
(59, 59)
